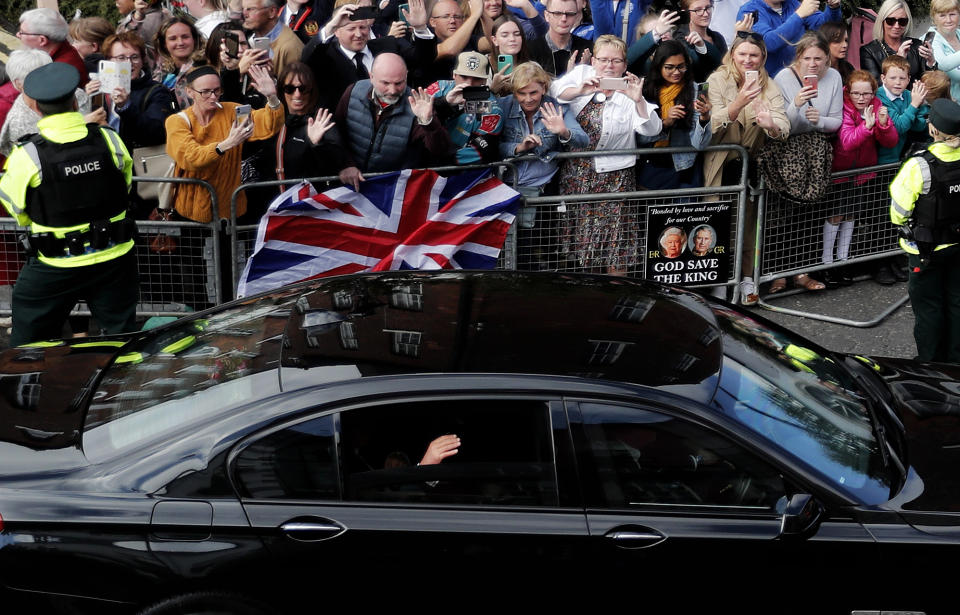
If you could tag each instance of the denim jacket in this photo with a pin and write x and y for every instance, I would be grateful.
(540, 171)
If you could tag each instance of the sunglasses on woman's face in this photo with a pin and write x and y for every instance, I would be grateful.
(290, 89)
(899, 21)
(753, 36)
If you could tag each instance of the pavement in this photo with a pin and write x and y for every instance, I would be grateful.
(864, 301)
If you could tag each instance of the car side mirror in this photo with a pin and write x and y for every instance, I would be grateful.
(801, 517)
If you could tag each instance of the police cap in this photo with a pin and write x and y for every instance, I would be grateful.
(51, 83)
(945, 116)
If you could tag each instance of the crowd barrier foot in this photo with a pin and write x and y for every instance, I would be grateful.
(862, 324)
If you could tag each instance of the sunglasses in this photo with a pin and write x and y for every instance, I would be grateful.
(290, 89)
(899, 21)
(753, 36)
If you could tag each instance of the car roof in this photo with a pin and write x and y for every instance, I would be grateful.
(413, 322)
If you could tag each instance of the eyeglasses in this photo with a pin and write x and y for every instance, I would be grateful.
(134, 58)
(753, 36)
(861, 94)
(207, 93)
(702, 11)
(613, 61)
(567, 14)
(291, 88)
(22, 34)
(899, 21)
(678, 68)
(449, 17)
(251, 9)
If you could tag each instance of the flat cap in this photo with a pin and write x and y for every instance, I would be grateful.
(51, 82)
(945, 116)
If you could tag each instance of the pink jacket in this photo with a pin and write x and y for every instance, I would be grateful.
(856, 145)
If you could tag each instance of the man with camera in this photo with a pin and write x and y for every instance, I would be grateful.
(469, 111)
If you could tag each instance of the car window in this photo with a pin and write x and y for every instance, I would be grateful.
(179, 375)
(298, 462)
(504, 455)
(642, 458)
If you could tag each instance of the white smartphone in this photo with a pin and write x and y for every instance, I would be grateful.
(260, 42)
(613, 83)
(751, 75)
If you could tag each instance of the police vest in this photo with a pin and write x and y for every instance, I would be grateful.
(936, 214)
(79, 182)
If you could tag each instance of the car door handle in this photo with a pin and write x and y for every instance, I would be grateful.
(311, 531)
(635, 538)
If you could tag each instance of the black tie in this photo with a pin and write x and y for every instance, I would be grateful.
(361, 69)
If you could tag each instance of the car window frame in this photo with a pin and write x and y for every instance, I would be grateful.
(565, 475)
(584, 457)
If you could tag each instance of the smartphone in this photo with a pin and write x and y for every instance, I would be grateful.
(613, 83)
(929, 37)
(364, 12)
(260, 42)
(243, 112)
(703, 90)
(502, 60)
(403, 7)
(756, 15)
(232, 42)
(96, 101)
(811, 81)
(751, 75)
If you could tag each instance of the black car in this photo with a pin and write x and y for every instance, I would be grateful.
(398, 437)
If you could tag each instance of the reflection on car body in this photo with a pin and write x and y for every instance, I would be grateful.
(611, 427)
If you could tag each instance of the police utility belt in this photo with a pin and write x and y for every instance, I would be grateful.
(101, 235)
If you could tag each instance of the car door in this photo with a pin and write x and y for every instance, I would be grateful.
(349, 491)
(696, 515)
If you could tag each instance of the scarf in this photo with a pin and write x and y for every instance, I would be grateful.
(668, 97)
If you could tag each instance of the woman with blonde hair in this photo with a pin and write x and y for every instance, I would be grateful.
(747, 109)
(891, 37)
(604, 234)
(946, 40)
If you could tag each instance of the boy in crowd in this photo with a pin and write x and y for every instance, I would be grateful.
(908, 109)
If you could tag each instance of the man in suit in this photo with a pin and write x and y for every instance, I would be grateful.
(343, 52)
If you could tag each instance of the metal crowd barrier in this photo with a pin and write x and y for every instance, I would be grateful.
(791, 234)
(186, 279)
(548, 240)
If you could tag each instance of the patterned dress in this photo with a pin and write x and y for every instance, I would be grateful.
(597, 234)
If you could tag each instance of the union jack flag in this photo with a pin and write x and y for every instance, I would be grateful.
(412, 219)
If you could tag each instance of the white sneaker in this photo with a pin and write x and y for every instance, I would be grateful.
(748, 292)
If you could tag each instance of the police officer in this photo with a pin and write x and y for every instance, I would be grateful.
(70, 185)
(926, 205)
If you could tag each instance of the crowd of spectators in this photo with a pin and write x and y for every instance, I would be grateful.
(348, 87)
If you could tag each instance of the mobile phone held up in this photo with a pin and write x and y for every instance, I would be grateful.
(232, 42)
(751, 75)
(811, 81)
(243, 113)
(260, 42)
(703, 90)
(505, 59)
(613, 83)
(365, 12)
(928, 39)
(403, 7)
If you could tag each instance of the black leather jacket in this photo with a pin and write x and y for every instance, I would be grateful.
(875, 52)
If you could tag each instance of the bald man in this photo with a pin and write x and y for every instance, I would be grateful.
(386, 126)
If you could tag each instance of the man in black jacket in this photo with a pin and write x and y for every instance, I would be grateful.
(556, 49)
(343, 53)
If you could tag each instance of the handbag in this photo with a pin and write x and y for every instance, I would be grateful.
(152, 161)
(799, 167)
(161, 242)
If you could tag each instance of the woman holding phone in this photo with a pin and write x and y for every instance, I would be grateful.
(609, 105)
(205, 141)
(509, 44)
(945, 40)
(747, 109)
(814, 94)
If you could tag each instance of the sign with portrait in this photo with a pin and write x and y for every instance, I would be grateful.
(689, 244)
